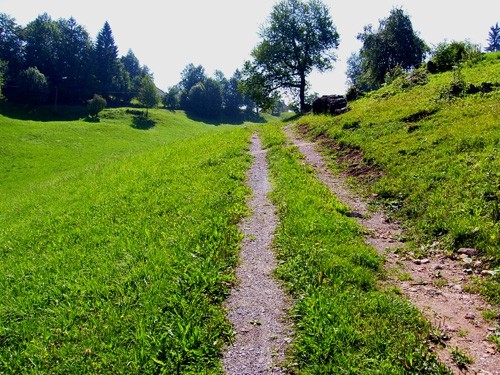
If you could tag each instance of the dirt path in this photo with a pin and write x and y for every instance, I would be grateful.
(257, 306)
(435, 285)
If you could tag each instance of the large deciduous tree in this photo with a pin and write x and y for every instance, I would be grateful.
(43, 39)
(298, 37)
(11, 46)
(395, 43)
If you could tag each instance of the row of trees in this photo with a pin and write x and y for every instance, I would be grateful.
(57, 60)
(209, 97)
(58, 57)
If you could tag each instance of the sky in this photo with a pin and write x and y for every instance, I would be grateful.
(220, 34)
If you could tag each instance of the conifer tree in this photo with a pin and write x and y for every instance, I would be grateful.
(494, 39)
(106, 60)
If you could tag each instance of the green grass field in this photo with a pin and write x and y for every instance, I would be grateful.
(117, 244)
(119, 238)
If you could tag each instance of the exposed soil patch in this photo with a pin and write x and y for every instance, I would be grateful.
(435, 285)
(350, 157)
(258, 306)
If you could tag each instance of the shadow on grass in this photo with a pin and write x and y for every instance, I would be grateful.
(43, 113)
(225, 119)
(142, 123)
(93, 119)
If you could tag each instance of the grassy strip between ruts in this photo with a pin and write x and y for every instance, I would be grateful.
(345, 324)
(123, 269)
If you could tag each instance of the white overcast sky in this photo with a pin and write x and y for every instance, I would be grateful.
(220, 34)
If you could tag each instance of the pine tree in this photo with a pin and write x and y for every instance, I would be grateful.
(494, 39)
(106, 59)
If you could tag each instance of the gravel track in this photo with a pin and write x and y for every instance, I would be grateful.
(257, 306)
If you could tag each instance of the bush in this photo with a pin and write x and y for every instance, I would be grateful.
(96, 105)
(447, 55)
(457, 86)
(353, 93)
(417, 77)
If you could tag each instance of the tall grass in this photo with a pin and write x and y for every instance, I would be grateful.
(118, 244)
(345, 323)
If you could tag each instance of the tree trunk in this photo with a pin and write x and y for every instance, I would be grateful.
(302, 93)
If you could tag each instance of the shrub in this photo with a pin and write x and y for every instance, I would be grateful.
(417, 77)
(447, 55)
(457, 86)
(33, 86)
(96, 105)
(353, 93)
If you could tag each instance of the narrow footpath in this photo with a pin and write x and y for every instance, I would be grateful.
(257, 306)
(435, 285)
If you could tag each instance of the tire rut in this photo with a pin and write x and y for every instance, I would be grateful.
(257, 306)
(435, 285)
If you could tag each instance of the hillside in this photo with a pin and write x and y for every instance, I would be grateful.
(430, 159)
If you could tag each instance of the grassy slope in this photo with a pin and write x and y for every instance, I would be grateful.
(117, 244)
(344, 323)
(441, 173)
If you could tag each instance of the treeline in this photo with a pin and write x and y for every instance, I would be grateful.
(56, 60)
(213, 97)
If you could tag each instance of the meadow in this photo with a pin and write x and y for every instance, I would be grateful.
(119, 238)
(117, 243)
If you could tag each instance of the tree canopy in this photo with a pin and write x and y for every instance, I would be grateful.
(148, 94)
(299, 36)
(394, 44)
(74, 67)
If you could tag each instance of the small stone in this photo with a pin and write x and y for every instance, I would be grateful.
(467, 260)
(491, 350)
(451, 328)
(468, 271)
(457, 288)
(470, 315)
(468, 251)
